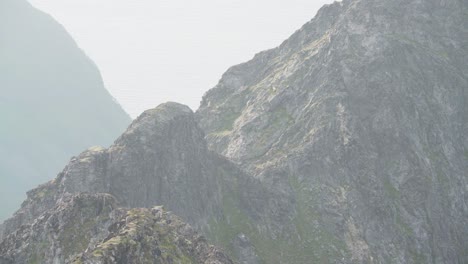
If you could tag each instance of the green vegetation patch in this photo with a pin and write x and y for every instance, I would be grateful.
(418, 258)
(141, 236)
(280, 119)
(38, 254)
(77, 233)
(226, 123)
(393, 192)
(309, 244)
(403, 227)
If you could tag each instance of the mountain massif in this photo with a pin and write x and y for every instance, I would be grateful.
(360, 118)
(162, 158)
(90, 228)
(53, 103)
(346, 144)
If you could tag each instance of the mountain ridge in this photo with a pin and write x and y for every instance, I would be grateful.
(353, 111)
(90, 228)
(161, 149)
(346, 144)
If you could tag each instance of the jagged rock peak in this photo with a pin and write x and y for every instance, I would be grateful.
(165, 112)
(161, 124)
(360, 117)
(90, 228)
(162, 159)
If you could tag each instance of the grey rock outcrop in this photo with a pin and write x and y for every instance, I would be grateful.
(162, 159)
(360, 118)
(348, 141)
(162, 149)
(90, 228)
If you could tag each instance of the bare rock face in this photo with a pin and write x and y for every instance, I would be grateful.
(62, 231)
(89, 228)
(161, 159)
(360, 119)
(152, 236)
(348, 142)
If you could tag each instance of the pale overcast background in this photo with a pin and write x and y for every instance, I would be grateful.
(153, 51)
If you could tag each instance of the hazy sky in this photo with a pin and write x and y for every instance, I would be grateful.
(153, 51)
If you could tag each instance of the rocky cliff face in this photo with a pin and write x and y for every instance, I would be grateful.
(162, 159)
(93, 171)
(53, 103)
(90, 228)
(348, 142)
(360, 119)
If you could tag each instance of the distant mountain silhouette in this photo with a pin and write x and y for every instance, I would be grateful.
(52, 101)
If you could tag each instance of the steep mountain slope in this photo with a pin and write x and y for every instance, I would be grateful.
(89, 228)
(349, 141)
(360, 119)
(162, 159)
(52, 104)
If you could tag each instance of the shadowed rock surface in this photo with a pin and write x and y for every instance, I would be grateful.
(162, 158)
(349, 143)
(89, 228)
(360, 118)
(53, 103)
